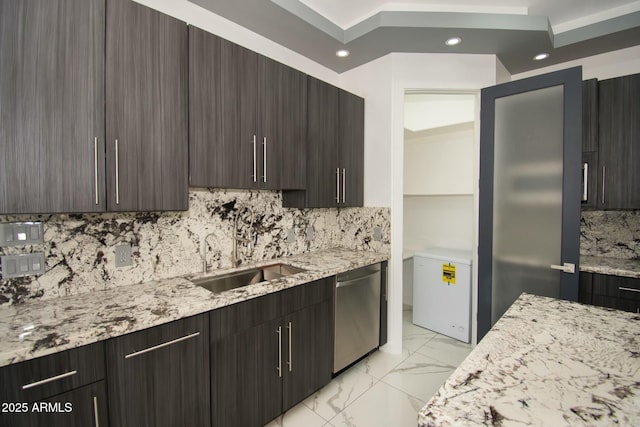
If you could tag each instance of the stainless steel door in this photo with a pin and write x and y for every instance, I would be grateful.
(530, 191)
(357, 315)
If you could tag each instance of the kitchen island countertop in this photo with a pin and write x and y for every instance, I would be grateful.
(546, 362)
(36, 329)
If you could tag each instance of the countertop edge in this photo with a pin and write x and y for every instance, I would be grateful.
(15, 322)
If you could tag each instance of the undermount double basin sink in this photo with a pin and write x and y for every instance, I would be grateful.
(242, 278)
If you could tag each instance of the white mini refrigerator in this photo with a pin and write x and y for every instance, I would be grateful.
(442, 291)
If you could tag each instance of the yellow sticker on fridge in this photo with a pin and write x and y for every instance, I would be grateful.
(449, 274)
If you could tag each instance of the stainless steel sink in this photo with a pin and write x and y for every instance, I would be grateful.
(246, 277)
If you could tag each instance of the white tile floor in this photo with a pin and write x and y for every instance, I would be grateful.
(383, 389)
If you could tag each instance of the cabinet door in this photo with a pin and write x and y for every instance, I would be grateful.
(246, 349)
(619, 144)
(308, 357)
(351, 149)
(51, 106)
(323, 173)
(68, 381)
(590, 143)
(146, 115)
(83, 407)
(282, 126)
(160, 376)
(605, 292)
(223, 100)
(246, 389)
(590, 115)
(585, 288)
(629, 294)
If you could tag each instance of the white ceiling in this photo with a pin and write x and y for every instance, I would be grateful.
(346, 13)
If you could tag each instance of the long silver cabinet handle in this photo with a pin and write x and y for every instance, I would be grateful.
(165, 344)
(585, 179)
(344, 185)
(290, 362)
(622, 288)
(95, 169)
(255, 160)
(604, 177)
(49, 380)
(96, 416)
(264, 159)
(279, 368)
(117, 175)
(337, 185)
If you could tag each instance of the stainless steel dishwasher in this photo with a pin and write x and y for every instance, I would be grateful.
(357, 315)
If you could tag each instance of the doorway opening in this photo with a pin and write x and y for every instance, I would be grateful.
(440, 172)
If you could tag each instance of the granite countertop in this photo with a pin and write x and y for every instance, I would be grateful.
(36, 329)
(546, 362)
(611, 266)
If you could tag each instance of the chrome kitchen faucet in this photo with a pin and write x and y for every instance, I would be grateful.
(235, 260)
(203, 253)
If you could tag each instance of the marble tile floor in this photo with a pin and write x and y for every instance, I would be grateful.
(383, 389)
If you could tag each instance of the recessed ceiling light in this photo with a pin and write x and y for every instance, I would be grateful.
(342, 53)
(453, 41)
(541, 56)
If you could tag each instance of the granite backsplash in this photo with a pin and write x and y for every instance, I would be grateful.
(80, 257)
(612, 234)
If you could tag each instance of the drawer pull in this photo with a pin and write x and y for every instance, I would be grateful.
(290, 362)
(156, 347)
(95, 169)
(50, 379)
(279, 367)
(117, 175)
(622, 288)
(96, 415)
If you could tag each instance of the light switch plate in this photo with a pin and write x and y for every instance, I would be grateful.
(22, 265)
(123, 255)
(21, 233)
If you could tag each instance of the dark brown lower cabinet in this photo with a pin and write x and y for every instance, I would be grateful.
(269, 353)
(65, 389)
(160, 376)
(622, 293)
(83, 407)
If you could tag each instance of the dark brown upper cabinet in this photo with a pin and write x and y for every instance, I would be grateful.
(351, 149)
(56, 155)
(146, 113)
(52, 106)
(246, 117)
(619, 143)
(335, 149)
(590, 143)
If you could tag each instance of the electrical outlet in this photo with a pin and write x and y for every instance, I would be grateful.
(21, 233)
(377, 234)
(22, 265)
(123, 255)
(310, 234)
(291, 235)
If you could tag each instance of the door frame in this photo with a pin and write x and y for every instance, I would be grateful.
(571, 79)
